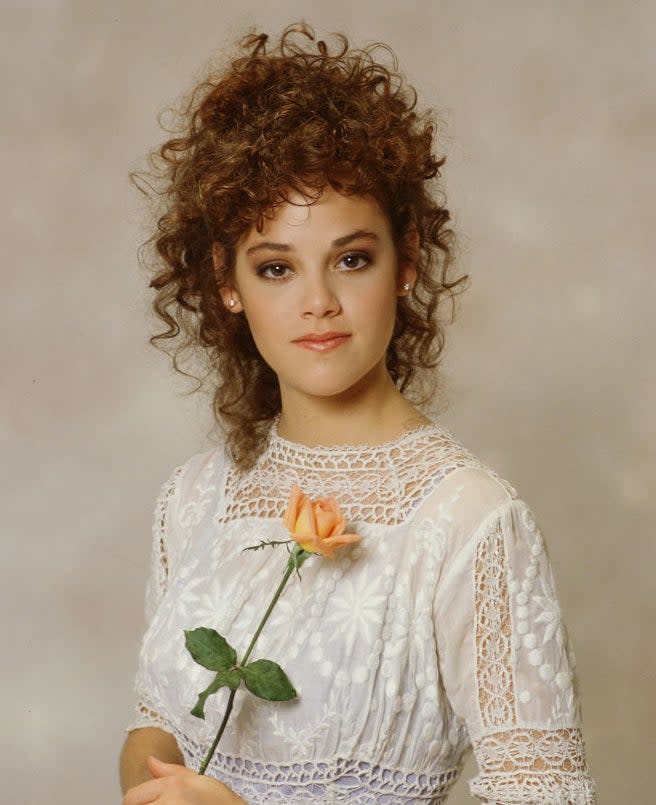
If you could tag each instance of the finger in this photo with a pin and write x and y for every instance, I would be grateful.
(143, 794)
(158, 768)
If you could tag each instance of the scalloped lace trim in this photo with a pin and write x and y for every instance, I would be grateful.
(330, 781)
(147, 716)
(533, 766)
(340, 449)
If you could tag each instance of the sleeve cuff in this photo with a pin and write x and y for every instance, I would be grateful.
(538, 788)
(146, 716)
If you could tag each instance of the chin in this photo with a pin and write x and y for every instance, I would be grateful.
(332, 386)
(317, 385)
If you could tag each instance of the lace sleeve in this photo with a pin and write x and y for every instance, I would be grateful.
(507, 666)
(160, 563)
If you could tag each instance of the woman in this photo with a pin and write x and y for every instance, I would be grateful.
(304, 246)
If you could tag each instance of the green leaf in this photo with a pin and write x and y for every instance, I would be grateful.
(229, 679)
(267, 680)
(209, 649)
(199, 708)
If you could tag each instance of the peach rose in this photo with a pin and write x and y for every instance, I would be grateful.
(317, 526)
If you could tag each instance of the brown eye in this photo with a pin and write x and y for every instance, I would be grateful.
(272, 271)
(355, 260)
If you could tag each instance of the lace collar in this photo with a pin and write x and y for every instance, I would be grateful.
(376, 483)
(278, 444)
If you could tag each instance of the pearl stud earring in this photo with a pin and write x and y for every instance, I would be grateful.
(406, 286)
(232, 303)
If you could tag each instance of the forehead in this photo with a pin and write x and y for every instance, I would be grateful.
(329, 216)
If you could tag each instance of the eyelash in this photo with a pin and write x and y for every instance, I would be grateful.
(359, 255)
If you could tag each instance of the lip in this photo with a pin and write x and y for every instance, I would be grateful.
(322, 341)
(327, 336)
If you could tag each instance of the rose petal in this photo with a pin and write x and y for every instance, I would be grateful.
(322, 547)
(342, 539)
(325, 521)
(306, 542)
(329, 504)
(338, 527)
(313, 544)
(289, 518)
(305, 518)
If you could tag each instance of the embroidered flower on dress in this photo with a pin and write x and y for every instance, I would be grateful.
(550, 614)
(358, 610)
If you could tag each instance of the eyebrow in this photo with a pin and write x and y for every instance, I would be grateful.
(285, 247)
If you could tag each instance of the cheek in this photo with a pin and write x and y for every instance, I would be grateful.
(258, 312)
(379, 307)
(267, 325)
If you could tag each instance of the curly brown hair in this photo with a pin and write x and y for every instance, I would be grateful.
(270, 122)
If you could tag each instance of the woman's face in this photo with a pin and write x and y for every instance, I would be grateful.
(326, 268)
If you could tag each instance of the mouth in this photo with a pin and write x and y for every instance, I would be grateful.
(323, 343)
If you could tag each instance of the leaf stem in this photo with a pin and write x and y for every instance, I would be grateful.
(295, 560)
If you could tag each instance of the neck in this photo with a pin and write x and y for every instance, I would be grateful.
(356, 417)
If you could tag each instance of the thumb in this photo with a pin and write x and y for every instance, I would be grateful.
(158, 768)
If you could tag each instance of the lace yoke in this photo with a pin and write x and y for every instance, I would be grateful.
(438, 633)
(373, 484)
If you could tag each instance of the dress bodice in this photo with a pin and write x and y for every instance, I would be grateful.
(438, 631)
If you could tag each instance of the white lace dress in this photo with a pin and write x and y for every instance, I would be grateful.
(440, 630)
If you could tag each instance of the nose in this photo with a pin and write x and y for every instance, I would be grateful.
(319, 298)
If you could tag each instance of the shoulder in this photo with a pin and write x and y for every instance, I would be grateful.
(187, 493)
(442, 464)
(184, 481)
(463, 490)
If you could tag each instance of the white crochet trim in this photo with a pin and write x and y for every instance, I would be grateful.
(546, 767)
(328, 781)
(415, 463)
(496, 694)
(147, 716)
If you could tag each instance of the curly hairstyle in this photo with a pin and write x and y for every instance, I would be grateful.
(270, 122)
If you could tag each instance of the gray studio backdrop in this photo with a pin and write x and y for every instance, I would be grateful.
(549, 124)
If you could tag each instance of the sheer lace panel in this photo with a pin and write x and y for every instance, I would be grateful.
(333, 780)
(496, 690)
(518, 764)
(374, 483)
(533, 766)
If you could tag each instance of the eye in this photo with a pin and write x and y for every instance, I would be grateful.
(355, 260)
(272, 271)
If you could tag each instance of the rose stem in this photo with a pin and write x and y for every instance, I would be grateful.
(291, 566)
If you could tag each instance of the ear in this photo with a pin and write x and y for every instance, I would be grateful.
(228, 293)
(408, 256)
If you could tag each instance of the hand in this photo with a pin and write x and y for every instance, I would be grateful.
(176, 785)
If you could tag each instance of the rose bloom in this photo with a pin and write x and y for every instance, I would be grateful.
(317, 526)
